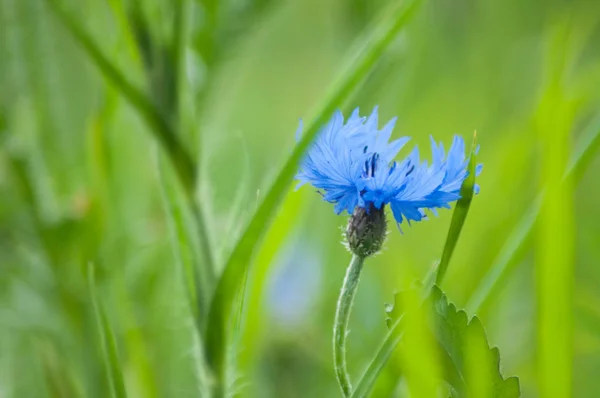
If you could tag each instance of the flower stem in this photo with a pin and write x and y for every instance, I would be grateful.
(340, 327)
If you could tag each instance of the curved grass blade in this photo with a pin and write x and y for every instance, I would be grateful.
(107, 341)
(181, 242)
(292, 211)
(162, 130)
(366, 382)
(459, 215)
(232, 277)
(506, 261)
(180, 44)
(179, 157)
(118, 12)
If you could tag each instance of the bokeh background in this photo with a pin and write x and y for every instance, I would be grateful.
(80, 183)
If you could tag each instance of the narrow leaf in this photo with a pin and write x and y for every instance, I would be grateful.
(507, 259)
(232, 277)
(107, 341)
(555, 242)
(365, 384)
(459, 215)
(161, 129)
(181, 244)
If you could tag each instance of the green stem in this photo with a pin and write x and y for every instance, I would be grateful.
(182, 161)
(459, 215)
(340, 327)
(232, 277)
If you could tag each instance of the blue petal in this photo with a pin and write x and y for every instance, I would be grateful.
(299, 131)
(478, 169)
(352, 164)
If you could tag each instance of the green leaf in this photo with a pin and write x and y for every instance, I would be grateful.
(468, 358)
(182, 243)
(107, 341)
(459, 215)
(507, 259)
(160, 127)
(366, 382)
(231, 280)
(472, 367)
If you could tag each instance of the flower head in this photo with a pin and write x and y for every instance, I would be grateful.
(352, 165)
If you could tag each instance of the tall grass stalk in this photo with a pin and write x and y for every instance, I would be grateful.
(217, 334)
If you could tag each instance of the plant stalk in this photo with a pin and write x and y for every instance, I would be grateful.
(340, 326)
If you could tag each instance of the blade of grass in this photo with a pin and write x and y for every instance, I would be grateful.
(143, 374)
(459, 215)
(231, 279)
(384, 353)
(365, 384)
(507, 259)
(418, 357)
(505, 262)
(207, 35)
(107, 341)
(58, 373)
(162, 130)
(555, 240)
(117, 8)
(196, 287)
(180, 44)
(291, 212)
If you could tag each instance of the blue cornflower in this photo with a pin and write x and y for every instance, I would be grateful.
(352, 164)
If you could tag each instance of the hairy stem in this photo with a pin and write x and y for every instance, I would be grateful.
(340, 327)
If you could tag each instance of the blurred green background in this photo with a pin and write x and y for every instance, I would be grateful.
(80, 182)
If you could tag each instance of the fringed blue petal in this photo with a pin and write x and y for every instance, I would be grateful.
(352, 164)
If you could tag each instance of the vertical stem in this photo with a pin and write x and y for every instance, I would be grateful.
(340, 327)
(555, 234)
(459, 215)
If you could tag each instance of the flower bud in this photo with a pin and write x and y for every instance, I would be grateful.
(366, 231)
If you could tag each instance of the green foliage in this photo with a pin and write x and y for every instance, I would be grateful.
(506, 261)
(107, 341)
(435, 275)
(471, 367)
(459, 215)
(89, 88)
(160, 127)
(183, 249)
(223, 302)
(460, 337)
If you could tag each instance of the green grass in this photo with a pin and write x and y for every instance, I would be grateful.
(155, 140)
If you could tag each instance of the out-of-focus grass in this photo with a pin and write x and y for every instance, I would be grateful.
(79, 183)
(107, 341)
(555, 235)
(238, 263)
